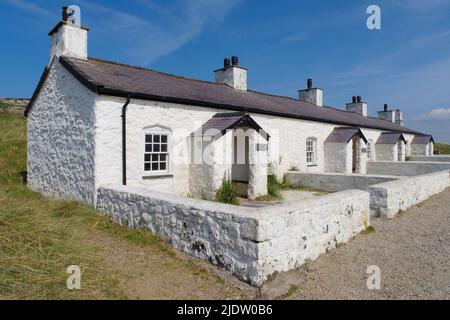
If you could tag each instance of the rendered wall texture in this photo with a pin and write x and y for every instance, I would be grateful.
(252, 243)
(61, 138)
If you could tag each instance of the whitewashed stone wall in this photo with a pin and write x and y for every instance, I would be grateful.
(406, 168)
(336, 181)
(389, 198)
(422, 149)
(386, 152)
(257, 185)
(287, 143)
(435, 158)
(338, 157)
(291, 234)
(61, 138)
(253, 243)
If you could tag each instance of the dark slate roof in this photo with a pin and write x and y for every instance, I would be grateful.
(114, 79)
(422, 139)
(221, 122)
(390, 138)
(344, 134)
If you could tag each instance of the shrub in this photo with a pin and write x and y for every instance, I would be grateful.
(273, 186)
(294, 168)
(227, 193)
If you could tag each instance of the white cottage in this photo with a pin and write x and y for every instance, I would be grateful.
(93, 122)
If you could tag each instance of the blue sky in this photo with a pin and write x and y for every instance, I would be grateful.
(405, 64)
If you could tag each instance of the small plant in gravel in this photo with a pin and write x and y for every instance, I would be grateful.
(227, 193)
(368, 230)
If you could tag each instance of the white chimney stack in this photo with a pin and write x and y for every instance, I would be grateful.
(312, 95)
(357, 106)
(68, 37)
(386, 114)
(232, 74)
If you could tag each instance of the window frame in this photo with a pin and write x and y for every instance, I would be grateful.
(156, 131)
(313, 151)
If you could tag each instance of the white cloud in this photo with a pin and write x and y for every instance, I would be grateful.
(144, 39)
(440, 114)
(157, 31)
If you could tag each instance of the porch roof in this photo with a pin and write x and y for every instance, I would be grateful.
(422, 139)
(344, 134)
(390, 138)
(221, 122)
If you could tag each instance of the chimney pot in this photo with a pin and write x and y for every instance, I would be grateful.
(385, 107)
(65, 14)
(231, 74)
(309, 83)
(358, 99)
(354, 99)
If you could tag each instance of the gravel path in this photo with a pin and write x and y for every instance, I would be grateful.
(411, 250)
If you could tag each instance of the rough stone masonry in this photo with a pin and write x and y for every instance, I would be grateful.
(252, 243)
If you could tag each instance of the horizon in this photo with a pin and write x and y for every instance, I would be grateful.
(404, 64)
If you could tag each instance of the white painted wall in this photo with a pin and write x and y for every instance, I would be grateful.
(287, 146)
(386, 152)
(61, 138)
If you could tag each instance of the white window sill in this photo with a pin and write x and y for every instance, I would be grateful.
(157, 175)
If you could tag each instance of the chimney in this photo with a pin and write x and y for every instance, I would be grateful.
(399, 117)
(312, 95)
(386, 114)
(68, 38)
(232, 74)
(357, 106)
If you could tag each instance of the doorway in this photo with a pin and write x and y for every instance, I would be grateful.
(354, 154)
(240, 168)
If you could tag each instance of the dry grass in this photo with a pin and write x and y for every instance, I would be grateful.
(442, 147)
(40, 237)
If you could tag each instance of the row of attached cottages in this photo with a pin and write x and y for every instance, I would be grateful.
(93, 122)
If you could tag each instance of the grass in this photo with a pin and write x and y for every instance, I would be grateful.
(274, 188)
(292, 290)
(442, 147)
(368, 230)
(287, 186)
(40, 237)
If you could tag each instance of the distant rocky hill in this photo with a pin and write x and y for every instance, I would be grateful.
(17, 105)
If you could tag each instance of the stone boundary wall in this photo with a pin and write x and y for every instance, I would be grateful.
(406, 168)
(335, 181)
(435, 158)
(388, 199)
(252, 243)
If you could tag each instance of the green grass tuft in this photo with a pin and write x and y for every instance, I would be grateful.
(368, 230)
